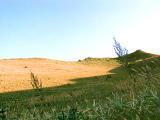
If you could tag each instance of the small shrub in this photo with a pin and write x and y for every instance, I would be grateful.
(108, 76)
(25, 67)
(79, 60)
(35, 82)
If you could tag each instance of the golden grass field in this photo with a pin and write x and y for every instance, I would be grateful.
(15, 73)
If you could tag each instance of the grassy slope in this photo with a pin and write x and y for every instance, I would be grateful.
(139, 55)
(99, 61)
(83, 91)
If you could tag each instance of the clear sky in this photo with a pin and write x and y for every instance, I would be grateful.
(74, 29)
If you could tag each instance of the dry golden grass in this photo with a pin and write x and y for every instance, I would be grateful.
(15, 73)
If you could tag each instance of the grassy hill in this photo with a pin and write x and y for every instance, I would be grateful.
(136, 56)
(99, 61)
(139, 55)
(98, 87)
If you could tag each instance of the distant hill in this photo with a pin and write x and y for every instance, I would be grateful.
(99, 61)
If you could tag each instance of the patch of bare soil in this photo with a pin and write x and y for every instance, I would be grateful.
(15, 74)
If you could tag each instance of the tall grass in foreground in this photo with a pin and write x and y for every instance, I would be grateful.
(143, 107)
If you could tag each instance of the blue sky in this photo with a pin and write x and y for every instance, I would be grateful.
(74, 29)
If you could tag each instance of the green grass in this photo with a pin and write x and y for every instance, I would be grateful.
(144, 106)
(99, 61)
(92, 98)
(138, 55)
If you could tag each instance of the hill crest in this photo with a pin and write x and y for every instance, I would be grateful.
(139, 55)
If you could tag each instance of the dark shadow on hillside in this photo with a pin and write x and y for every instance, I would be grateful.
(91, 87)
